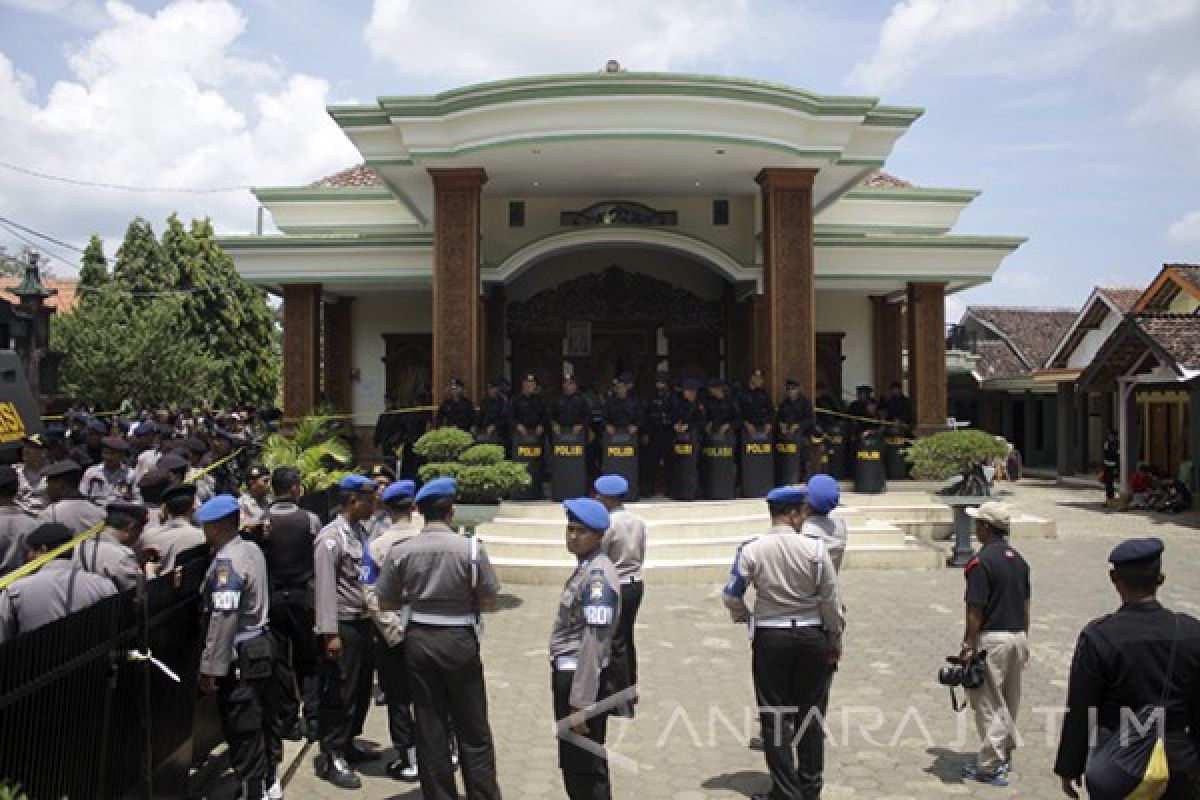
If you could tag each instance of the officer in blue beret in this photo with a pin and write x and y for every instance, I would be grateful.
(625, 545)
(823, 496)
(342, 566)
(446, 580)
(1141, 656)
(580, 650)
(237, 660)
(796, 630)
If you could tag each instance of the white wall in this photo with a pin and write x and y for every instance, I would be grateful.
(849, 313)
(373, 315)
(681, 271)
(1091, 342)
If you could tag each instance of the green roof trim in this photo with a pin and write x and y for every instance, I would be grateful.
(680, 136)
(913, 194)
(850, 229)
(323, 241)
(321, 194)
(621, 83)
(953, 242)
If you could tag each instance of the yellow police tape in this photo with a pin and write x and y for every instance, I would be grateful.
(53, 417)
(201, 473)
(42, 560)
(388, 412)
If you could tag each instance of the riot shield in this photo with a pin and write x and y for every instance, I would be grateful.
(619, 456)
(684, 479)
(791, 458)
(895, 443)
(758, 464)
(527, 450)
(869, 473)
(568, 466)
(720, 468)
(834, 460)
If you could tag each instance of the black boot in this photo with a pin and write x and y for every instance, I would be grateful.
(333, 768)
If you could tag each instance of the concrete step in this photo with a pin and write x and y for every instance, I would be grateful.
(732, 529)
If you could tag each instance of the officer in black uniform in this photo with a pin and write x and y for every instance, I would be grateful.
(570, 412)
(656, 435)
(288, 548)
(1112, 463)
(457, 410)
(416, 423)
(226, 476)
(495, 414)
(1143, 655)
(622, 411)
(529, 409)
(898, 406)
(722, 414)
(687, 412)
(757, 409)
(796, 411)
(446, 580)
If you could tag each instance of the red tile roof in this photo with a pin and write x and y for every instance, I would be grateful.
(1032, 332)
(1124, 298)
(361, 175)
(63, 301)
(1177, 334)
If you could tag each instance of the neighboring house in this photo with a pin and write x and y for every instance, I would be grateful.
(1151, 363)
(1001, 394)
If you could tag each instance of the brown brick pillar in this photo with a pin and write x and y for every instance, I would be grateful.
(457, 317)
(789, 294)
(887, 332)
(301, 348)
(927, 354)
(339, 357)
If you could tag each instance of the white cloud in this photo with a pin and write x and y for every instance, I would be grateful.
(160, 100)
(79, 13)
(919, 30)
(955, 308)
(1186, 229)
(1135, 16)
(462, 40)
(1172, 100)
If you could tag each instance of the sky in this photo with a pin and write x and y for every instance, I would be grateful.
(1078, 119)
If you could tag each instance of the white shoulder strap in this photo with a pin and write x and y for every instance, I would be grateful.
(473, 550)
(817, 560)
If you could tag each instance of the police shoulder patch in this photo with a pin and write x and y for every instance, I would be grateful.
(599, 600)
(225, 587)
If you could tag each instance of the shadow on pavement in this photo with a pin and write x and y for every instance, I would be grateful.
(747, 782)
(507, 602)
(947, 764)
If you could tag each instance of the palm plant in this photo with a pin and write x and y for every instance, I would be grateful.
(314, 449)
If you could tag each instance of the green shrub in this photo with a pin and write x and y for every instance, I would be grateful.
(482, 455)
(443, 444)
(944, 455)
(314, 449)
(12, 791)
(439, 469)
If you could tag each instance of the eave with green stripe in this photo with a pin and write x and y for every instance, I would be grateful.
(321, 194)
(325, 241)
(621, 84)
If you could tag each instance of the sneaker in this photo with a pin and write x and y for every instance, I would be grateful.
(972, 772)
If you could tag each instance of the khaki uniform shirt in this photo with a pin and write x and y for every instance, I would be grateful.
(104, 486)
(236, 600)
(339, 572)
(583, 628)
(431, 572)
(170, 540)
(31, 489)
(832, 531)
(104, 555)
(77, 513)
(57, 589)
(625, 543)
(15, 525)
(389, 623)
(792, 576)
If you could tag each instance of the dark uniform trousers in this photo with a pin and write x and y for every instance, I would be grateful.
(791, 671)
(445, 677)
(346, 686)
(393, 679)
(296, 656)
(585, 774)
(624, 650)
(246, 703)
(656, 458)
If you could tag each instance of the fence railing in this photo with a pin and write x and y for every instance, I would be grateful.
(83, 712)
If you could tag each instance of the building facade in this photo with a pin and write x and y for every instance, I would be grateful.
(610, 222)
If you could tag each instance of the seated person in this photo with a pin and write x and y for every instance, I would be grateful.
(1173, 497)
(1141, 484)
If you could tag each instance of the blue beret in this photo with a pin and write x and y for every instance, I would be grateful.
(146, 428)
(823, 493)
(220, 507)
(611, 485)
(1132, 551)
(787, 495)
(356, 483)
(439, 487)
(591, 513)
(399, 491)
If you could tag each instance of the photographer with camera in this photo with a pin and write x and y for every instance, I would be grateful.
(995, 639)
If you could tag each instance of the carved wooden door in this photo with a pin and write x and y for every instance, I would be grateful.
(408, 365)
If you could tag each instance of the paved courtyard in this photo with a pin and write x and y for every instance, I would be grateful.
(892, 731)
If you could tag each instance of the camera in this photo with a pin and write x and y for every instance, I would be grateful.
(968, 676)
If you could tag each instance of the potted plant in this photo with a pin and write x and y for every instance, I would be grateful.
(956, 453)
(317, 451)
(484, 476)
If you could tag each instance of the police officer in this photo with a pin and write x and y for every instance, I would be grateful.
(446, 580)
(164, 543)
(342, 564)
(495, 414)
(580, 648)
(656, 436)
(797, 628)
(15, 524)
(625, 545)
(722, 414)
(288, 549)
(110, 552)
(236, 662)
(65, 503)
(224, 473)
(31, 493)
(824, 495)
(1143, 655)
(383, 476)
(622, 411)
(1111, 463)
(457, 410)
(529, 409)
(56, 590)
(112, 479)
(88, 441)
(570, 412)
(255, 501)
(897, 404)
(997, 621)
(757, 409)
(797, 424)
(397, 502)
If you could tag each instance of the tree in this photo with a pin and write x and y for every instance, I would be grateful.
(135, 353)
(93, 271)
(142, 267)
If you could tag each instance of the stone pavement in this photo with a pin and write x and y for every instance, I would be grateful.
(892, 732)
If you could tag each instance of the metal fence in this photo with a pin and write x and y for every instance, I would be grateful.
(83, 713)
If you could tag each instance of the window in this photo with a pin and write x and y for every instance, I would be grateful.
(720, 212)
(516, 213)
